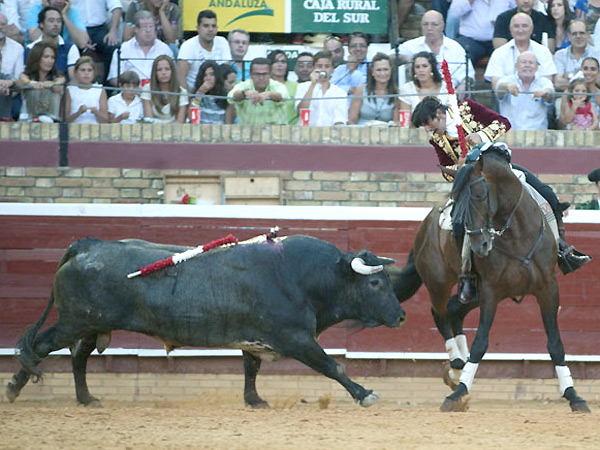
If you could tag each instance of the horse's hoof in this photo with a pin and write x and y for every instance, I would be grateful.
(580, 407)
(370, 399)
(90, 402)
(455, 405)
(260, 404)
(450, 376)
(12, 392)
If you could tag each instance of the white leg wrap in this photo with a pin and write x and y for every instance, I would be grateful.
(468, 374)
(452, 349)
(565, 380)
(463, 348)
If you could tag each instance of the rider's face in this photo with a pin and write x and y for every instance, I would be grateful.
(437, 124)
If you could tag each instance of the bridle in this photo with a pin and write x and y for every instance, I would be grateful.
(489, 228)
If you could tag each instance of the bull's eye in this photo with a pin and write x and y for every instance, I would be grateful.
(374, 283)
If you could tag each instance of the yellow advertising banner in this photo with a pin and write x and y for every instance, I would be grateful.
(262, 16)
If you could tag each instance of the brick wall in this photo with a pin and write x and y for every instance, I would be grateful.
(30, 182)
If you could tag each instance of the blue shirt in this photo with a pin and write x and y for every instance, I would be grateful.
(342, 77)
(33, 22)
(524, 112)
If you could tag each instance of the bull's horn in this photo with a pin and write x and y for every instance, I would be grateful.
(359, 266)
(448, 171)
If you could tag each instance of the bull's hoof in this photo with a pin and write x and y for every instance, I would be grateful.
(12, 392)
(370, 399)
(90, 402)
(580, 406)
(450, 376)
(455, 405)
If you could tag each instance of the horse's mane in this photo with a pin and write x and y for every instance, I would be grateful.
(462, 199)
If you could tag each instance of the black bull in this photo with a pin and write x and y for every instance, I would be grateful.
(268, 299)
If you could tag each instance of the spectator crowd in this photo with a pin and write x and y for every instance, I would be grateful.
(125, 61)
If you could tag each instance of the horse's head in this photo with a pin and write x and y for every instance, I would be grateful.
(475, 193)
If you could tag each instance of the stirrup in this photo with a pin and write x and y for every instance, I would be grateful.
(570, 259)
(467, 288)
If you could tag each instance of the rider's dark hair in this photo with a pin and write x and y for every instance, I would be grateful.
(426, 110)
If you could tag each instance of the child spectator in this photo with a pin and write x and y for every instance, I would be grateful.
(577, 111)
(229, 76)
(126, 107)
(168, 106)
(209, 83)
(42, 101)
(87, 102)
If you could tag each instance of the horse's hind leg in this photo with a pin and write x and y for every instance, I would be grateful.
(549, 310)
(79, 357)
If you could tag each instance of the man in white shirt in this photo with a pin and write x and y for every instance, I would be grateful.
(568, 60)
(12, 52)
(196, 50)
(16, 26)
(477, 19)
(434, 41)
(525, 111)
(138, 54)
(504, 58)
(327, 102)
(103, 40)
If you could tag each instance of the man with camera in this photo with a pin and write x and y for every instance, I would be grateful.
(326, 103)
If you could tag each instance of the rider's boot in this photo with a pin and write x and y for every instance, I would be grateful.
(569, 258)
(467, 288)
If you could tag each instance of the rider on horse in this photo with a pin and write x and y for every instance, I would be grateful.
(484, 126)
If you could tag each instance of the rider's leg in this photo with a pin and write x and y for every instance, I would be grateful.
(574, 259)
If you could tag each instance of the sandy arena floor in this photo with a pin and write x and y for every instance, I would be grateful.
(223, 423)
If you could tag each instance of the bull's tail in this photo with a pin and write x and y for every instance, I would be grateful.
(406, 281)
(27, 356)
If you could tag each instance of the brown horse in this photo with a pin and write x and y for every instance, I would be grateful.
(514, 254)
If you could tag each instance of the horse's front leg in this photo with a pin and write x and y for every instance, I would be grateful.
(488, 304)
(549, 309)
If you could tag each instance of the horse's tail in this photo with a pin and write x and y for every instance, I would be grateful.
(27, 356)
(406, 281)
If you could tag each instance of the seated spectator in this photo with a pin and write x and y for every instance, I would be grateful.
(591, 74)
(335, 45)
(560, 16)
(427, 81)
(377, 101)
(138, 54)
(476, 29)
(104, 34)
(354, 73)
(209, 83)
(327, 102)
(524, 110)
(434, 41)
(540, 21)
(304, 66)
(167, 21)
(589, 12)
(279, 72)
(260, 100)
(239, 42)
(196, 50)
(44, 82)
(576, 110)
(73, 25)
(594, 203)
(126, 107)
(170, 105)
(86, 103)
(229, 76)
(15, 12)
(504, 59)
(568, 60)
(6, 94)
(12, 52)
(50, 24)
